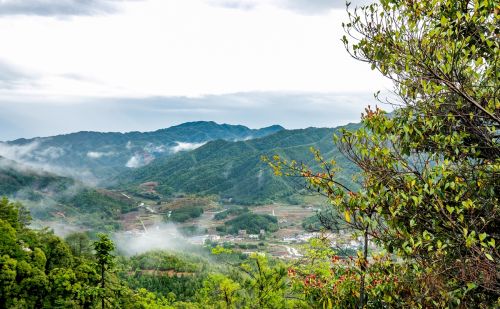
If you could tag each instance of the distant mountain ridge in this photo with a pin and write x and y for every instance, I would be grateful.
(94, 156)
(203, 158)
(235, 171)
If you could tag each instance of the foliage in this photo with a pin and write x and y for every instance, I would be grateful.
(79, 244)
(220, 291)
(252, 223)
(325, 219)
(233, 170)
(266, 283)
(47, 196)
(40, 270)
(429, 172)
(186, 213)
(233, 211)
(328, 281)
(25, 182)
(161, 260)
(104, 202)
(105, 155)
(191, 230)
(312, 224)
(257, 282)
(166, 273)
(427, 192)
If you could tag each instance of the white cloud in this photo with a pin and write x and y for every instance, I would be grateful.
(32, 157)
(57, 7)
(30, 152)
(98, 155)
(300, 6)
(134, 162)
(150, 148)
(158, 237)
(167, 52)
(185, 48)
(50, 153)
(18, 152)
(185, 146)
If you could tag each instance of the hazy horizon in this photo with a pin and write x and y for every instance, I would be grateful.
(303, 110)
(140, 65)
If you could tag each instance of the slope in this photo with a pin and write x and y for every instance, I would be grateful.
(50, 197)
(235, 171)
(95, 156)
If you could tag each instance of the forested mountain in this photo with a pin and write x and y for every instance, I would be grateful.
(94, 156)
(50, 196)
(232, 169)
(235, 170)
(25, 182)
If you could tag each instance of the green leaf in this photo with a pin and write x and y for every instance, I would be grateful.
(444, 21)
(482, 236)
(347, 216)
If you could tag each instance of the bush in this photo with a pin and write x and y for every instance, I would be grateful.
(235, 211)
(252, 223)
(186, 213)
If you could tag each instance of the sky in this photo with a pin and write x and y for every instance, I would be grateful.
(140, 65)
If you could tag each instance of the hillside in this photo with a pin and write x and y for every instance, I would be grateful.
(52, 197)
(22, 181)
(94, 156)
(234, 170)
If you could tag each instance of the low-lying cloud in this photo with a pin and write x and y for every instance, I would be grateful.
(134, 162)
(32, 156)
(51, 153)
(18, 152)
(98, 154)
(181, 146)
(163, 236)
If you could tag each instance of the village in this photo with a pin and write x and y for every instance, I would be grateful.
(150, 223)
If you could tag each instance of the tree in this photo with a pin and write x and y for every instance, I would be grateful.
(219, 291)
(8, 241)
(266, 283)
(57, 252)
(429, 172)
(439, 156)
(9, 212)
(79, 244)
(103, 253)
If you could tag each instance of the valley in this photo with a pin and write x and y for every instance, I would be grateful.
(360, 170)
(204, 196)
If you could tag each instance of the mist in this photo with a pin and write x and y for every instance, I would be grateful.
(162, 236)
(35, 159)
(185, 146)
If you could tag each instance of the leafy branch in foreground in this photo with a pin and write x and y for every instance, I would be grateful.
(430, 171)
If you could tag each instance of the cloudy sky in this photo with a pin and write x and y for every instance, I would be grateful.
(118, 65)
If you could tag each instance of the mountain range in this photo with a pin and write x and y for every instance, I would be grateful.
(234, 170)
(200, 158)
(95, 156)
